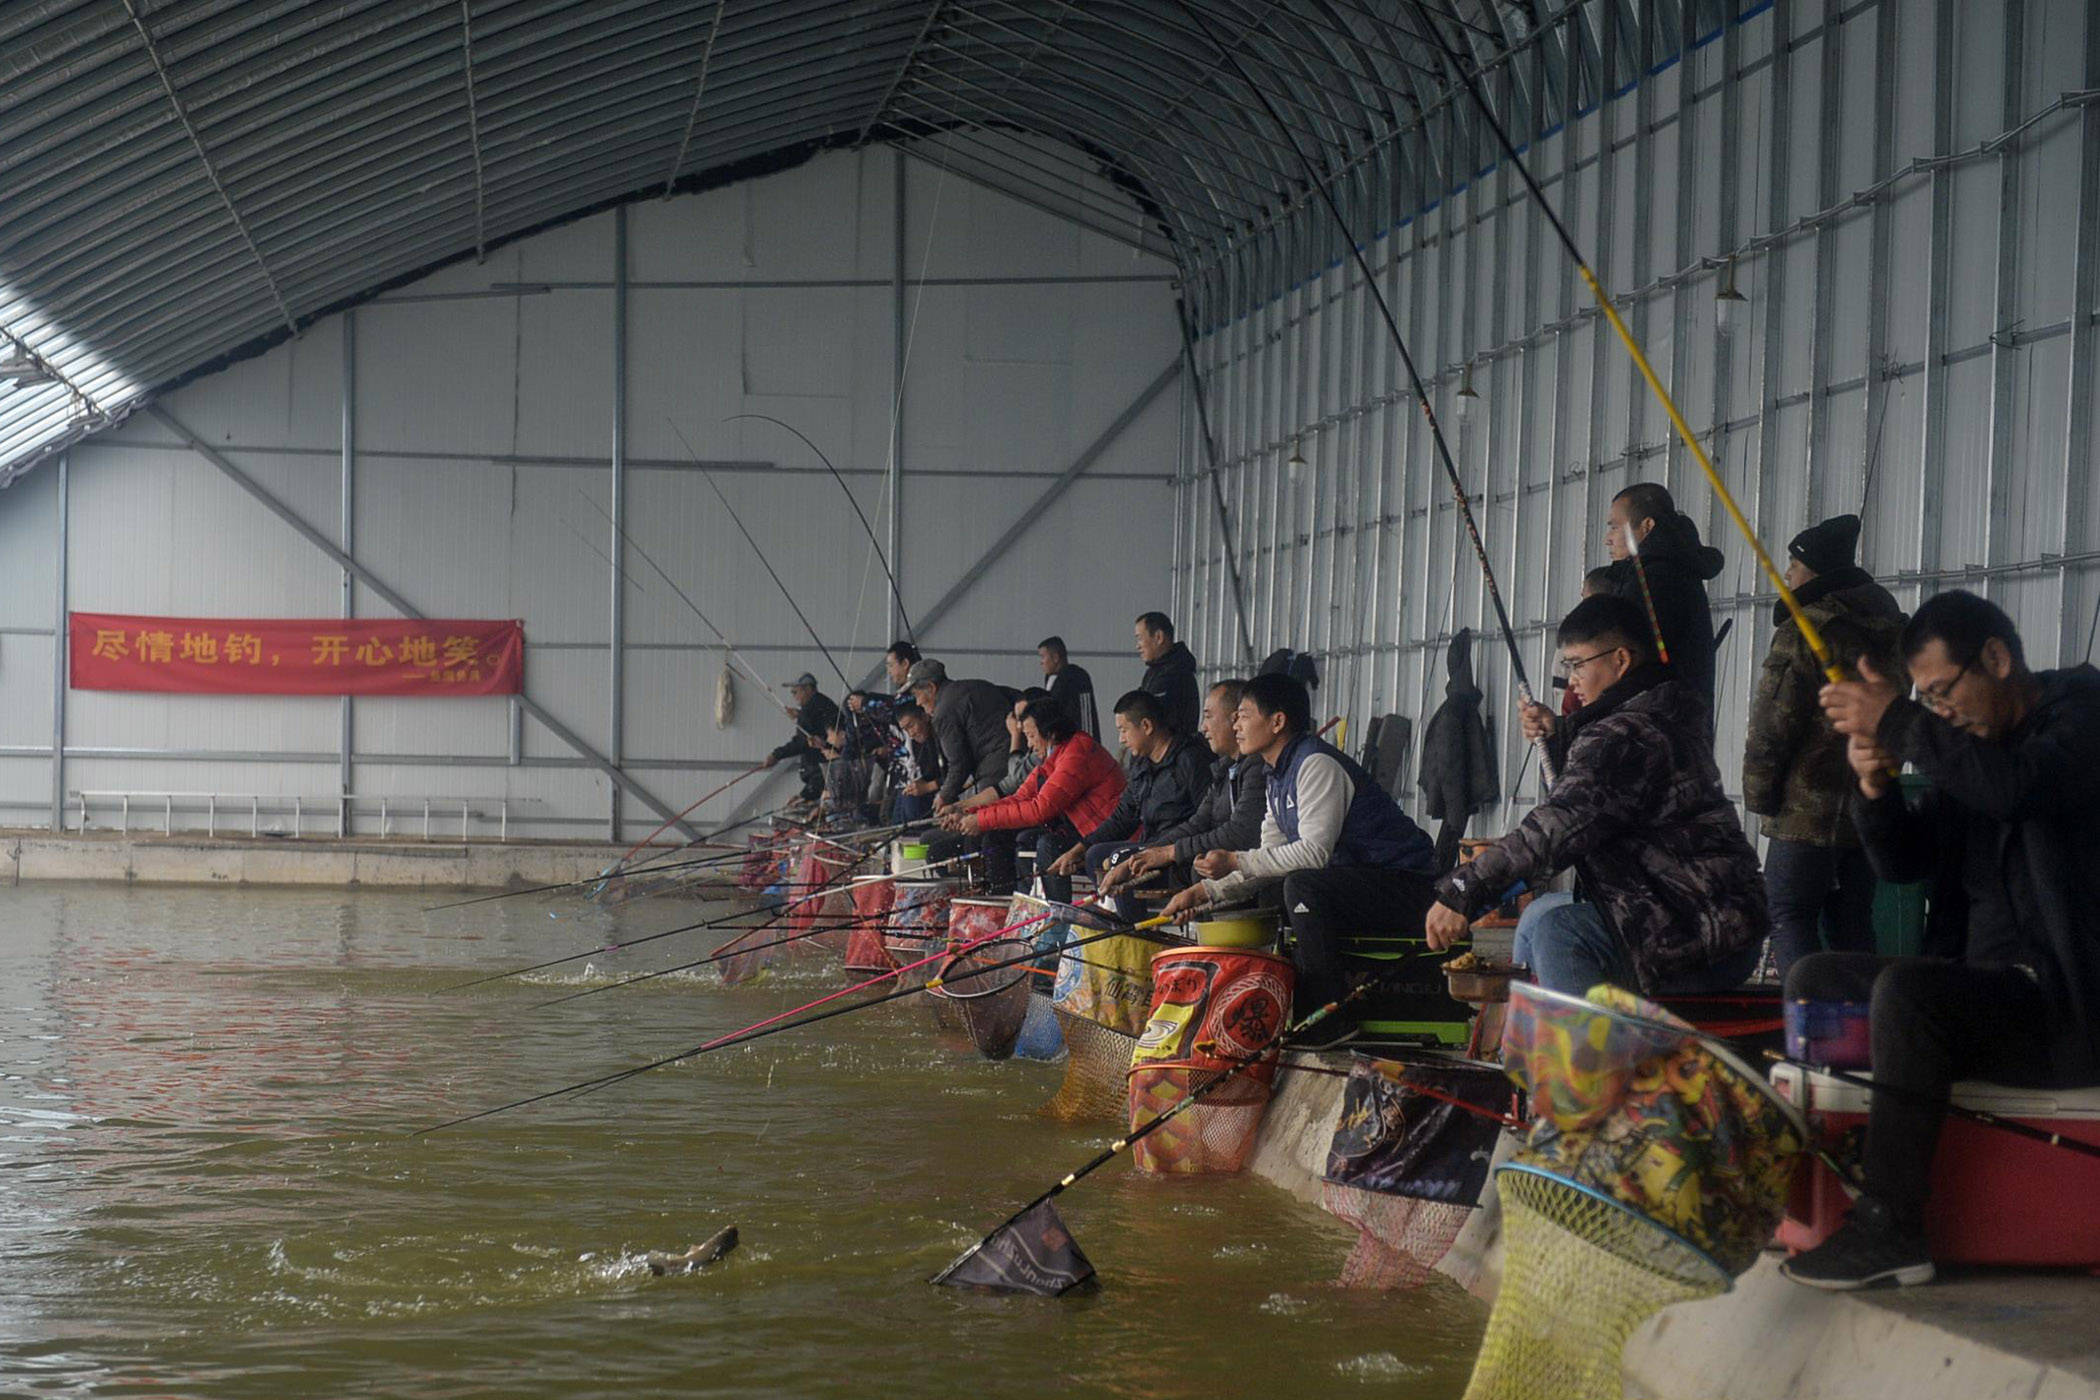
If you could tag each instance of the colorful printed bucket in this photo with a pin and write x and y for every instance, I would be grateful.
(1107, 982)
(1217, 1009)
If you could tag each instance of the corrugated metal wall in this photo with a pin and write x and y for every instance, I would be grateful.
(482, 453)
(1911, 192)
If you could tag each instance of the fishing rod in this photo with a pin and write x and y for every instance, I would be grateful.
(1414, 377)
(720, 921)
(708, 476)
(670, 822)
(852, 500)
(725, 856)
(842, 841)
(774, 1025)
(1148, 1128)
(1640, 575)
(728, 647)
(1825, 660)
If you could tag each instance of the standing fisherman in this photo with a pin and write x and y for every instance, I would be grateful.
(1659, 564)
(815, 716)
(1170, 671)
(1070, 684)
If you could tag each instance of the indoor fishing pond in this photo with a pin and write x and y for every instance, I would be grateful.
(212, 1186)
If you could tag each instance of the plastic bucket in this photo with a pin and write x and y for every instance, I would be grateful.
(1217, 1009)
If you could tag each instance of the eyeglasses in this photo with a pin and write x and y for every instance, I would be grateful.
(1940, 698)
(1569, 665)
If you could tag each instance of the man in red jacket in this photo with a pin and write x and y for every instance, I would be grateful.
(1073, 790)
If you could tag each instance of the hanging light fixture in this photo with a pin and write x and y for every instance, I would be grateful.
(1468, 400)
(1294, 465)
(1728, 302)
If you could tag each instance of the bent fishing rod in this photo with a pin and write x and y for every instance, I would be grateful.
(1407, 360)
(787, 1020)
(866, 529)
(728, 647)
(670, 822)
(707, 475)
(1825, 659)
(774, 916)
(1243, 1063)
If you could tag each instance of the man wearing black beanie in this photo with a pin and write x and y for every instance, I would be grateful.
(1817, 881)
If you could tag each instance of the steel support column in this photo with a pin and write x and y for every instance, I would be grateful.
(616, 545)
(60, 598)
(346, 535)
(2078, 438)
(900, 335)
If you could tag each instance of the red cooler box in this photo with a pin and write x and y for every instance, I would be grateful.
(1996, 1198)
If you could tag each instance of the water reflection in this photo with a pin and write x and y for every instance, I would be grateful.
(206, 1187)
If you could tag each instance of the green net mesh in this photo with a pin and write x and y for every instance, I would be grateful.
(1579, 1275)
(1399, 1238)
(1097, 1069)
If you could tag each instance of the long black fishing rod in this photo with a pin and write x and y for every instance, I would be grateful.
(720, 858)
(1275, 1043)
(852, 500)
(1414, 378)
(777, 1024)
(737, 520)
(728, 647)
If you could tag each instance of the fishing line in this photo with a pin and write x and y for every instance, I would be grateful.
(1414, 378)
(707, 475)
(777, 1024)
(1809, 632)
(614, 868)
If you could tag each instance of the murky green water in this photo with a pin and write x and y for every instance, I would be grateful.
(206, 1188)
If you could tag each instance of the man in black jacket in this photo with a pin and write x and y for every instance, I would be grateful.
(2009, 835)
(1677, 566)
(815, 715)
(1170, 671)
(1169, 776)
(1229, 817)
(1069, 684)
(969, 720)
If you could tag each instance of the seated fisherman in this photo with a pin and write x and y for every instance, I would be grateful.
(2009, 835)
(1169, 774)
(1074, 788)
(1670, 895)
(915, 764)
(1348, 859)
(1229, 818)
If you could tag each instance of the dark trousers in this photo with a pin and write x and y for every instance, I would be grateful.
(1002, 857)
(1325, 907)
(1933, 1022)
(904, 808)
(1821, 899)
(811, 767)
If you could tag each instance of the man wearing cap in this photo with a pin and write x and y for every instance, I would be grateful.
(815, 716)
(969, 722)
(1818, 881)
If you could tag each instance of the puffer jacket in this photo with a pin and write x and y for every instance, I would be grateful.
(1678, 568)
(969, 721)
(1794, 769)
(1230, 817)
(1173, 679)
(1160, 794)
(1080, 781)
(1638, 810)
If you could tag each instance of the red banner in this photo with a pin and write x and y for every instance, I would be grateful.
(296, 656)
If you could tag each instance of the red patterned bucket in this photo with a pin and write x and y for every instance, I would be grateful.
(819, 905)
(1216, 1008)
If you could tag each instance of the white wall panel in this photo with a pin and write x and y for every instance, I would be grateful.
(484, 437)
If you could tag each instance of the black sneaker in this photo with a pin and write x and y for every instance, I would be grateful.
(1330, 1034)
(1867, 1251)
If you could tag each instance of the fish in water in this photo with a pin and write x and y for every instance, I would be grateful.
(696, 1258)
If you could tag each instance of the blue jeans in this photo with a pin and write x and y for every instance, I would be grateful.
(1569, 948)
(1821, 899)
(1098, 858)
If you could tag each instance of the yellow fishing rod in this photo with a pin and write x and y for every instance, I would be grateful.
(1824, 658)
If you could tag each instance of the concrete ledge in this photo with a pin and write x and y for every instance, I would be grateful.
(185, 859)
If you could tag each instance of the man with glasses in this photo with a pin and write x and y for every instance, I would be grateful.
(1669, 896)
(2009, 836)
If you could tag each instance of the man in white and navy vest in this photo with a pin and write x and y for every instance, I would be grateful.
(1348, 859)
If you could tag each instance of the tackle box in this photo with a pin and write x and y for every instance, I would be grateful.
(1997, 1198)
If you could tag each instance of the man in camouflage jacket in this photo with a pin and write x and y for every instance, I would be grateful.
(1818, 881)
(1669, 900)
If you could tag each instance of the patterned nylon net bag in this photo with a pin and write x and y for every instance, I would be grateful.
(918, 928)
(1097, 1070)
(989, 1000)
(1399, 1238)
(821, 913)
(871, 910)
(1408, 1161)
(1213, 1136)
(1657, 1169)
(762, 861)
(1579, 1275)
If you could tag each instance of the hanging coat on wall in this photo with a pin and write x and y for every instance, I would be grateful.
(1458, 763)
